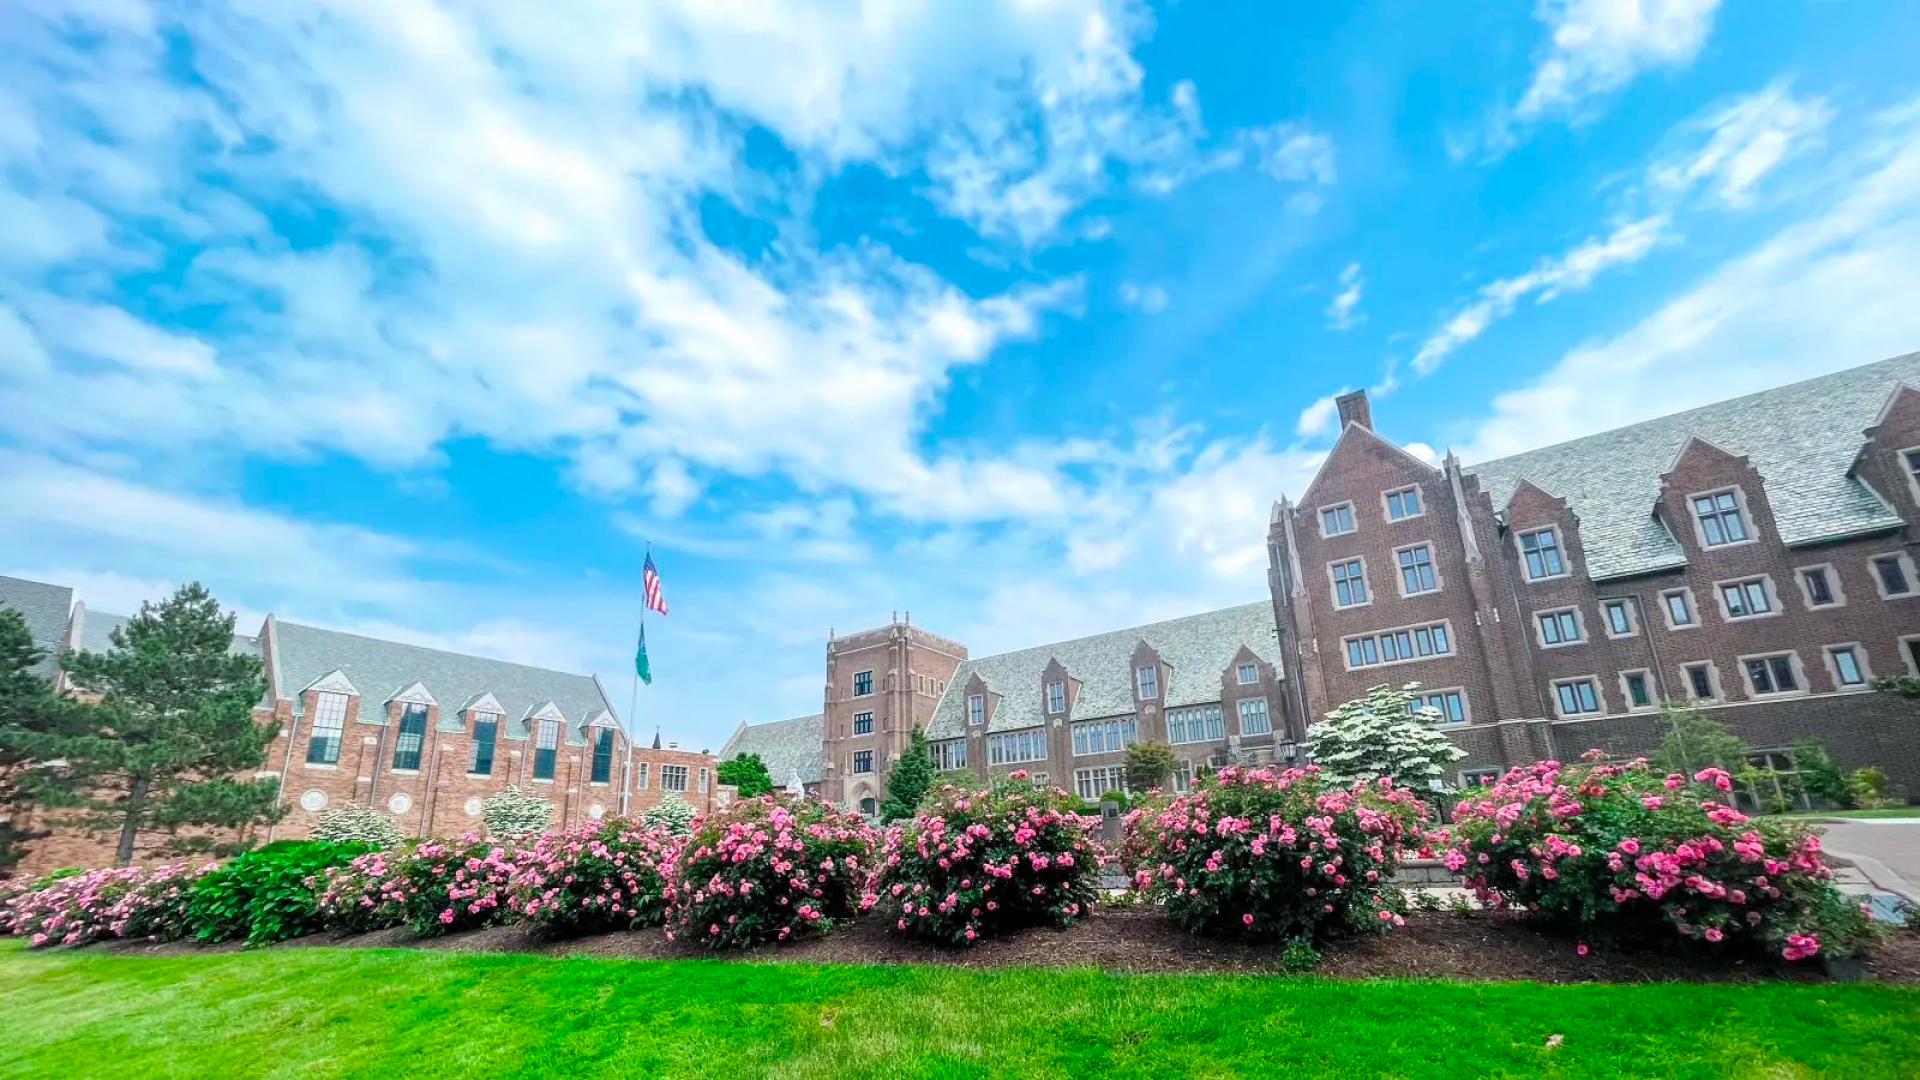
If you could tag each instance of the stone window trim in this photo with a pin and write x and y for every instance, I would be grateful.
(864, 717)
(1542, 618)
(315, 766)
(1908, 459)
(1400, 571)
(1444, 626)
(1466, 705)
(1793, 659)
(1666, 608)
(1558, 544)
(1480, 777)
(1712, 671)
(1244, 709)
(861, 678)
(858, 759)
(1834, 586)
(1419, 502)
(1146, 682)
(1246, 674)
(1653, 691)
(1767, 589)
(1629, 607)
(1860, 661)
(1906, 568)
(976, 710)
(1366, 583)
(1056, 697)
(1353, 524)
(1910, 652)
(1575, 681)
(1740, 508)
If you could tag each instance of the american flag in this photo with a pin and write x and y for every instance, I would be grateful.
(650, 586)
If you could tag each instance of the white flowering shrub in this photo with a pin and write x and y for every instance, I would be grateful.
(516, 813)
(671, 814)
(1382, 735)
(358, 824)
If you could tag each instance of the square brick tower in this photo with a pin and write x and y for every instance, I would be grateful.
(881, 684)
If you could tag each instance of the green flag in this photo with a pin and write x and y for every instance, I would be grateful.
(640, 666)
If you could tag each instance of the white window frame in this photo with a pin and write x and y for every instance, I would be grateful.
(1834, 586)
(1206, 719)
(1685, 594)
(1794, 666)
(949, 754)
(1056, 698)
(1333, 583)
(976, 710)
(335, 728)
(1246, 674)
(1559, 550)
(1556, 614)
(1146, 682)
(868, 713)
(640, 771)
(1017, 746)
(1909, 646)
(1713, 681)
(1400, 569)
(1473, 777)
(1466, 707)
(1740, 510)
(673, 778)
(1906, 567)
(1908, 460)
(1625, 604)
(1241, 709)
(1419, 499)
(1860, 663)
(1125, 730)
(1767, 593)
(1104, 777)
(1599, 698)
(1353, 520)
(1653, 691)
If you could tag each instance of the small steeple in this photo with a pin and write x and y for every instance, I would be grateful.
(656, 736)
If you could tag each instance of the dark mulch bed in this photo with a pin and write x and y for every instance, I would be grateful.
(1479, 946)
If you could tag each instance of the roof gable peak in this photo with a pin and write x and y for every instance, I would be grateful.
(333, 682)
(414, 695)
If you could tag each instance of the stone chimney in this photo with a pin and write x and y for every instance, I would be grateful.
(1354, 410)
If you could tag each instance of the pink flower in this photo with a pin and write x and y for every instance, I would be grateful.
(1581, 949)
(1247, 919)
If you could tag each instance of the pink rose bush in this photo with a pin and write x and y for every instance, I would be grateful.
(605, 876)
(768, 869)
(435, 887)
(1620, 851)
(1266, 855)
(977, 863)
(364, 895)
(101, 905)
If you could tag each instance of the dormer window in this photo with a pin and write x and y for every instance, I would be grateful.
(1403, 504)
(329, 716)
(1248, 674)
(1147, 681)
(1720, 518)
(976, 710)
(603, 756)
(1541, 550)
(1336, 520)
(546, 748)
(486, 732)
(1056, 697)
(413, 734)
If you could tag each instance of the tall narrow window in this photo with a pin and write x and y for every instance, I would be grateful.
(1638, 695)
(1541, 550)
(1056, 697)
(1679, 611)
(1619, 617)
(1416, 570)
(1349, 583)
(640, 771)
(976, 709)
(546, 747)
(413, 733)
(1719, 517)
(1819, 586)
(1147, 681)
(486, 732)
(703, 781)
(1892, 574)
(1846, 666)
(1912, 458)
(1253, 717)
(602, 756)
(329, 716)
(1403, 504)
(863, 723)
(1700, 681)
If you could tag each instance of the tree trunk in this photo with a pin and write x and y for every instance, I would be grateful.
(136, 806)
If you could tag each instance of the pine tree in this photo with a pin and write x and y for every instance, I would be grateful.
(1149, 766)
(1382, 735)
(747, 773)
(909, 780)
(29, 713)
(172, 727)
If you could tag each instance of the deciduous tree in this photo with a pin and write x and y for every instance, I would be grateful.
(1383, 735)
(747, 773)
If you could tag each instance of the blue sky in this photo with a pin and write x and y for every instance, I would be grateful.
(417, 320)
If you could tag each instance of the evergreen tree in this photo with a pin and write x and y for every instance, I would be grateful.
(909, 780)
(29, 713)
(1149, 765)
(172, 727)
(1382, 734)
(747, 773)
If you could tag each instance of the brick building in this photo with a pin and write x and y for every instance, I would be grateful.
(792, 750)
(1756, 557)
(421, 734)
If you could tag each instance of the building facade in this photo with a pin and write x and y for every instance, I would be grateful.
(1755, 558)
(423, 735)
(881, 684)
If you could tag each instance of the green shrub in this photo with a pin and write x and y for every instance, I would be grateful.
(1820, 776)
(768, 869)
(358, 824)
(1870, 789)
(446, 886)
(601, 877)
(266, 895)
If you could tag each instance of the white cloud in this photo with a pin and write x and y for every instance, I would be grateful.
(1832, 290)
(1344, 312)
(1292, 152)
(1147, 299)
(1598, 46)
(1570, 272)
(1318, 418)
(1744, 140)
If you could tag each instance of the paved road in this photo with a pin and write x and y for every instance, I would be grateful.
(1893, 843)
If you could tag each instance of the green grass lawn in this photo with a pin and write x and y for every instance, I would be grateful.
(1891, 812)
(377, 1013)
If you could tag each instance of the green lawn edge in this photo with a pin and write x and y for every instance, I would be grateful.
(325, 1012)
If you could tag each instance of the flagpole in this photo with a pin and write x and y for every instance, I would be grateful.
(633, 703)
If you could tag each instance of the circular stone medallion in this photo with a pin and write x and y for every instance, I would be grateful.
(400, 803)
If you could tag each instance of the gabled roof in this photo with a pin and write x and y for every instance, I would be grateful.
(379, 668)
(45, 609)
(786, 746)
(1197, 648)
(97, 627)
(1802, 438)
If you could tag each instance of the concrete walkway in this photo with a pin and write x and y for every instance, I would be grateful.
(1884, 851)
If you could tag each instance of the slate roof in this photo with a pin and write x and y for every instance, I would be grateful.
(1803, 439)
(96, 633)
(1197, 648)
(786, 746)
(45, 607)
(381, 669)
